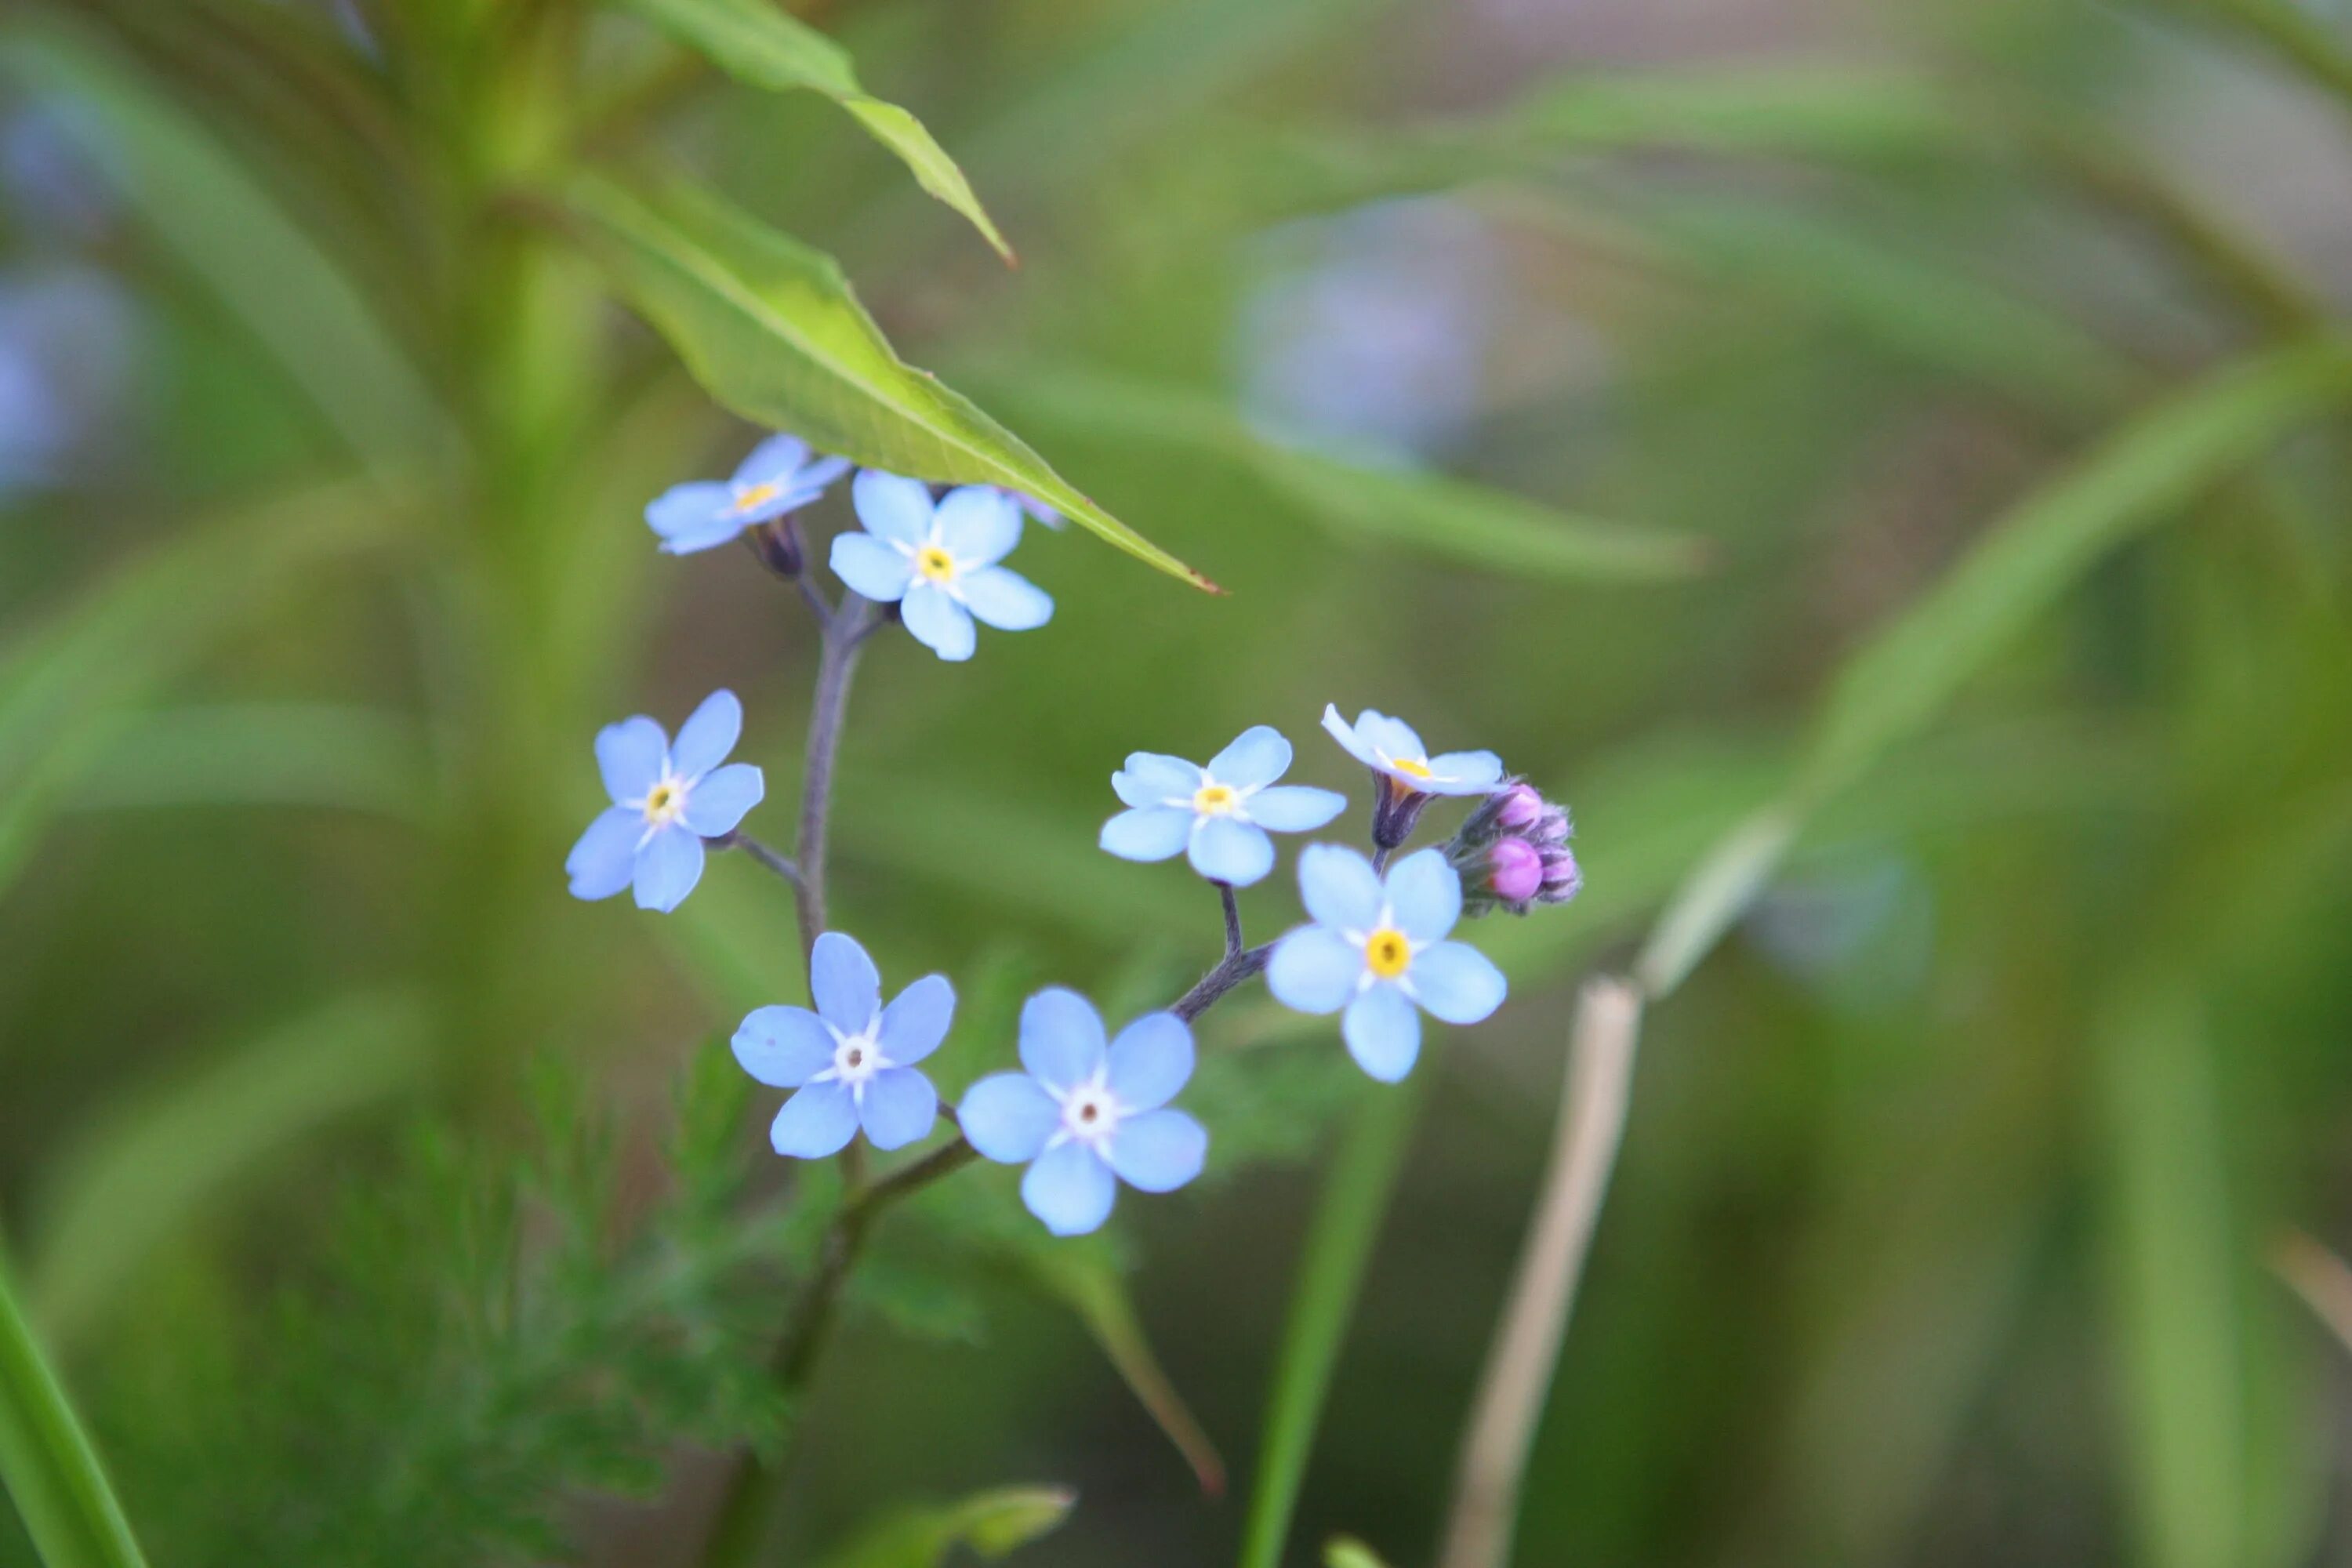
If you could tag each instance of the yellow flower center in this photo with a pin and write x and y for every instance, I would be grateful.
(664, 801)
(1387, 953)
(1214, 800)
(935, 563)
(752, 495)
(1412, 766)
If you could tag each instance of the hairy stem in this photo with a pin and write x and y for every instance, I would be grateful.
(1239, 964)
(843, 633)
(774, 860)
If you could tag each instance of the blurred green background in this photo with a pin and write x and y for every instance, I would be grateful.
(1920, 423)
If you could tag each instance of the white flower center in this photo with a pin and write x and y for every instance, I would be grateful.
(855, 1059)
(747, 497)
(665, 802)
(1214, 799)
(1089, 1114)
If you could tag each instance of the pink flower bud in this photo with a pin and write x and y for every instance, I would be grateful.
(1519, 807)
(1515, 869)
(1561, 878)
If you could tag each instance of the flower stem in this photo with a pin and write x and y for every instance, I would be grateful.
(843, 633)
(780, 864)
(1239, 964)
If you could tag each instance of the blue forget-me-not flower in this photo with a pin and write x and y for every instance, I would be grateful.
(852, 1060)
(780, 476)
(1390, 748)
(1378, 949)
(1219, 814)
(937, 562)
(1086, 1116)
(667, 799)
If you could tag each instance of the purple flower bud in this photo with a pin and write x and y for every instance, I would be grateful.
(1515, 871)
(1561, 878)
(1519, 807)
(1551, 825)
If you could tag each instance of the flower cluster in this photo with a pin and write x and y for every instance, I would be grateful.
(1513, 854)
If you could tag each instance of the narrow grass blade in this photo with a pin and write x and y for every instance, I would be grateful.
(52, 1473)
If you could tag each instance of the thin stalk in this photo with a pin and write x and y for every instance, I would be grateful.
(1239, 964)
(51, 1472)
(774, 860)
(844, 633)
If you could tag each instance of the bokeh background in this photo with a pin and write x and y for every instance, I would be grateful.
(1593, 379)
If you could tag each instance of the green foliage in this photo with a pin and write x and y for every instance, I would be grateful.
(993, 1524)
(48, 1467)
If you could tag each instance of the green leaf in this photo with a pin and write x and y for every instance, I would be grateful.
(52, 1473)
(992, 1523)
(152, 1165)
(771, 329)
(1347, 1551)
(761, 45)
(1098, 1294)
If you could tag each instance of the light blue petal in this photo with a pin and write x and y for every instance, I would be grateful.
(892, 507)
(668, 866)
(782, 1046)
(821, 474)
(605, 859)
(1159, 1151)
(772, 461)
(697, 516)
(899, 1107)
(1070, 1189)
(1464, 772)
(1225, 850)
(1313, 971)
(1061, 1038)
(1005, 599)
(916, 1020)
(1258, 756)
(1456, 983)
(629, 755)
(709, 733)
(938, 622)
(1338, 887)
(1008, 1117)
(1425, 895)
(775, 506)
(716, 804)
(977, 525)
(1340, 730)
(872, 567)
(820, 1120)
(1147, 833)
(843, 983)
(1151, 1061)
(1383, 1032)
(1154, 778)
(1294, 808)
(1393, 736)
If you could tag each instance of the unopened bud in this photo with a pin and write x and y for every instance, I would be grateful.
(1518, 807)
(1515, 871)
(1562, 880)
(1551, 825)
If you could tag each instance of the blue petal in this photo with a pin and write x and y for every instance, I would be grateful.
(843, 983)
(1147, 833)
(916, 1020)
(1225, 850)
(1425, 895)
(775, 506)
(1154, 778)
(1258, 756)
(1294, 808)
(1008, 1117)
(820, 1120)
(892, 508)
(1314, 971)
(1383, 1032)
(871, 567)
(1159, 1151)
(1340, 730)
(938, 622)
(1151, 1061)
(709, 733)
(630, 756)
(820, 474)
(605, 859)
(1005, 599)
(1070, 1189)
(1061, 1038)
(1338, 887)
(1456, 983)
(697, 516)
(1464, 772)
(977, 525)
(899, 1107)
(772, 461)
(783, 1046)
(716, 804)
(1391, 737)
(668, 866)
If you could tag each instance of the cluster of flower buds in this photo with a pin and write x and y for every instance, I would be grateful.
(1512, 853)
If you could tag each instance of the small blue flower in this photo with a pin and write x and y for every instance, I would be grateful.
(777, 478)
(1378, 949)
(852, 1060)
(1220, 813)
(1390, 748)
(1085, 1113)
(665, 801)
(938, 562)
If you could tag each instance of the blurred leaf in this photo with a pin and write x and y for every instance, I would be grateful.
(52, 1473)
(993, 1524)
(1100, 1296)
(771, 329)
(264, 753)
(226, 226)
(153, 1164)
(758, 43)
(1470, 523)
(1347, 1551)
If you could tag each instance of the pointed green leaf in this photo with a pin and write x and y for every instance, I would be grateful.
(993, 1524)
(1098, 1294)
(51, 1472)
(761, 45)
(772, 329)
(1347, 1551)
